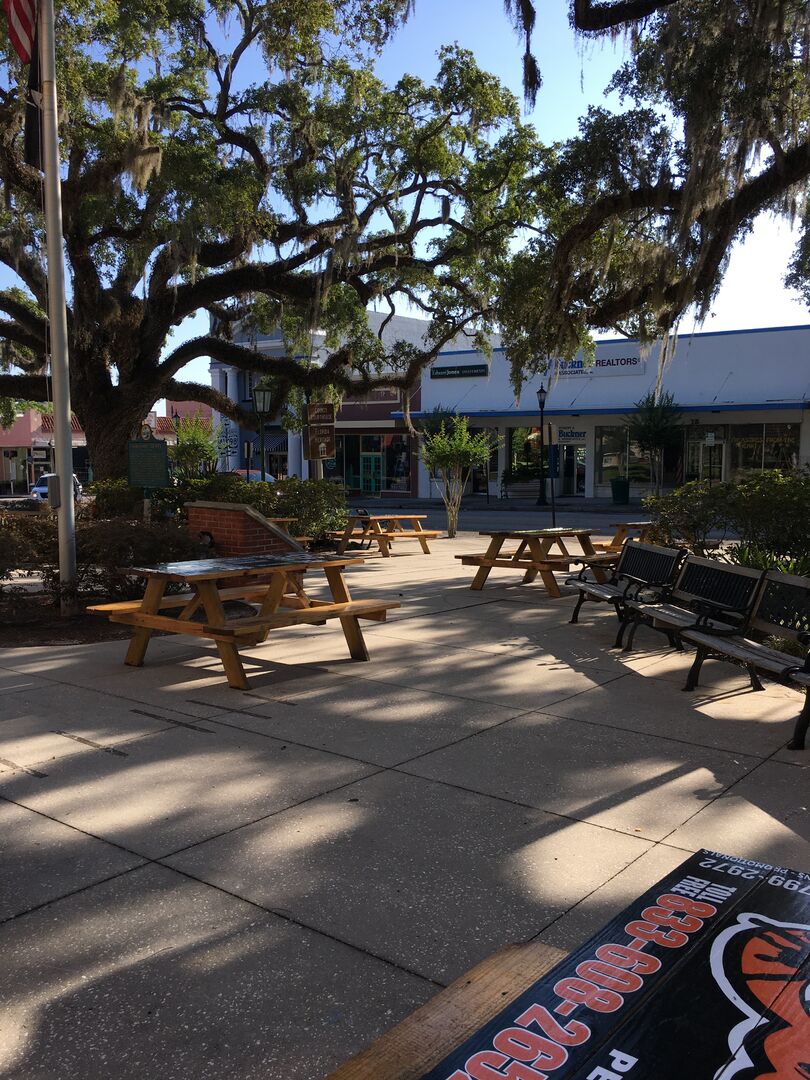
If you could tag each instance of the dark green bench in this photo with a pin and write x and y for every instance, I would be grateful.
(707, 595)
(641, 568)
(782, 610)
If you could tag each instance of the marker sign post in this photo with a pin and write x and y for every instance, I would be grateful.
(704, 977)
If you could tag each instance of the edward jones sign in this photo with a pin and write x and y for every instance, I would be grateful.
(603, 365)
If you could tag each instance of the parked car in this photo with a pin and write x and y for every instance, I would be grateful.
(254, 474)
(40, 488)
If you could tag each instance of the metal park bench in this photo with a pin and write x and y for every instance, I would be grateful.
(782, 610)
(641, 567)
(707, 595)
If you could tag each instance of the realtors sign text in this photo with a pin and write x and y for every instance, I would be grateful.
(603, 365)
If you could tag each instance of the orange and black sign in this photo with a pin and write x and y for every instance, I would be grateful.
(705, 977)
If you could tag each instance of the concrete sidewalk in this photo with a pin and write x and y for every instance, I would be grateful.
(197, 882)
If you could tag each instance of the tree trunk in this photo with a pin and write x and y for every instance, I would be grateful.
(108, 432)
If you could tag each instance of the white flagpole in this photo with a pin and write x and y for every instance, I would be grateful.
(57, 314)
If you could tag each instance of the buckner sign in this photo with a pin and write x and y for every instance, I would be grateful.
(603, 365)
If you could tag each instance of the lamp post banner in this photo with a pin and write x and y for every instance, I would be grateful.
(706, 975)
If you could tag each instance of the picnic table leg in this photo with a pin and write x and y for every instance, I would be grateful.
(349, 623)
(382, 541)
(495, 545)
(347, 535)
(588, 549)
(152, 599)
(228, 653)
(417, 528)
(539, 552)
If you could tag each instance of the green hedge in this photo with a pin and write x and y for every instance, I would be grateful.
(768, 514)
(30, 544)
(318, 506)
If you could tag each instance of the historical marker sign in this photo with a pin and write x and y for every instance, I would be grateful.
(148, 461)
(705, 976)
(319, 441)
(321, 412)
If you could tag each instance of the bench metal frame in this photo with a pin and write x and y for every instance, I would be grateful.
(707, 594)
(640, 567)
(782, 609)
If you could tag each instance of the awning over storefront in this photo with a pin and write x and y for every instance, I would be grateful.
(616, 410)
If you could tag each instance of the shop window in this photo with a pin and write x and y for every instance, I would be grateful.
(745, 447)
(754, 447)
(397, 463)
(611, 453)
(524, 453)
(781, 450)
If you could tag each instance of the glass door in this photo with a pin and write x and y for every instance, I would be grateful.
(370, 474)
(704, 460)
(573, 468)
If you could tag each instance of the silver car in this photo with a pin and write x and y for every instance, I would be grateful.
(40, 488)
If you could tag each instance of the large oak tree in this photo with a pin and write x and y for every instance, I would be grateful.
(643, 206)
(240, 158)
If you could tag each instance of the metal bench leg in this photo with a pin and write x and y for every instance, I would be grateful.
(694, 671)
(802, 724)
(623, 624)
(752, 675)
(631, 636)
(579, 604)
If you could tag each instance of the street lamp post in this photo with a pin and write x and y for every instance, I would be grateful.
(541, 401)
(262, 403)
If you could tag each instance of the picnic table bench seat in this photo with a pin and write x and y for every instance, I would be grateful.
(706, 595)
(782, 610)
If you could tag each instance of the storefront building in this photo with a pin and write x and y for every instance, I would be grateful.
(742, 394)
(374, 454)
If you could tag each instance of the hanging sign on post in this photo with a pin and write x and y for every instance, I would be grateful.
(319, 434)
(321, 412)
(319, 441)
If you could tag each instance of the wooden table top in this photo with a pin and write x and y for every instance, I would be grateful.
(238, 566)
(387, 517)
(629, 524)
(523, 534)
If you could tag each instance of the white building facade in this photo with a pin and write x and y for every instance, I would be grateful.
(743, 395)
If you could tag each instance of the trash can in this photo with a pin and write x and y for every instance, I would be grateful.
(620, 489)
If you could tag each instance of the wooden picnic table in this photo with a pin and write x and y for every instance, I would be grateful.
(274, 583)
(623, 530)
(534, 555)
(424, 1038)
(384, 529)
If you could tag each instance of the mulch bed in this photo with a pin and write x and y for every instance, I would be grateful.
(33, 620)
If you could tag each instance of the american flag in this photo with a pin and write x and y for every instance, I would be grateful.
(22, 22)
